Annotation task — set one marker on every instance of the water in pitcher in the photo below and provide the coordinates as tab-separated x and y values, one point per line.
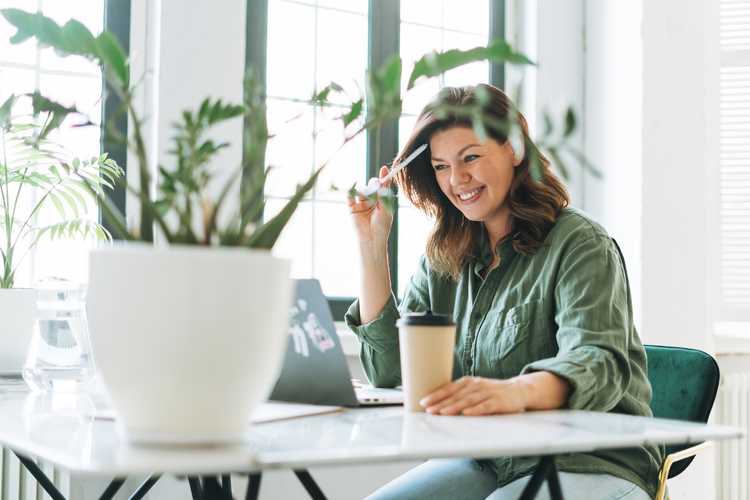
59	355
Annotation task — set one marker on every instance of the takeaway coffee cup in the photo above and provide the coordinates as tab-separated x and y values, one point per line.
426	342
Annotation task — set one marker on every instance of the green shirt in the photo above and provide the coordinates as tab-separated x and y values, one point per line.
566	309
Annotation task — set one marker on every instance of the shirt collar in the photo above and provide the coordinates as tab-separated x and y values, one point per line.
504	249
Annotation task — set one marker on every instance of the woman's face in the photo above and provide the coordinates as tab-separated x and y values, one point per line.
475	176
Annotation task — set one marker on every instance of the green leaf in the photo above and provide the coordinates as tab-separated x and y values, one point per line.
113	58
355	111
559	163
57	111
570	122
78	40
58	204
436	63
5	112
267	234
321	98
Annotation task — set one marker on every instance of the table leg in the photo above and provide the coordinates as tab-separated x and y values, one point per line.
253	486
226	485
195	488
112	489
553	483
310	485
212	490
545	470
144	487
47	485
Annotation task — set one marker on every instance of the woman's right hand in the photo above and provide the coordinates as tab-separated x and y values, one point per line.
372	221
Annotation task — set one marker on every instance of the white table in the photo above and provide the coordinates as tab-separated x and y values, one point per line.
63	430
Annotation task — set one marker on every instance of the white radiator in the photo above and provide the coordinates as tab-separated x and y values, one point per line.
733	408
16	483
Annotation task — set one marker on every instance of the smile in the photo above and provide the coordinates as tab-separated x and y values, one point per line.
470	196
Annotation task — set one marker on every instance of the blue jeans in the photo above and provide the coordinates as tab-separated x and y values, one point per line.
465	479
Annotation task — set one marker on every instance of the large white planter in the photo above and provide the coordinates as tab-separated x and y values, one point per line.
188	340
17	316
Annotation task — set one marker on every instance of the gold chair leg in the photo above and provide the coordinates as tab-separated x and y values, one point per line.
670	459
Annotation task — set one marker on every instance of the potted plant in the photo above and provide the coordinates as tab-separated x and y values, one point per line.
30	161
188	335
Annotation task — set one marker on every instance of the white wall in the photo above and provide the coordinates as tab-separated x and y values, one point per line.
612	120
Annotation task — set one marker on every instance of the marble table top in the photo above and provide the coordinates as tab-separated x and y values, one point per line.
64	430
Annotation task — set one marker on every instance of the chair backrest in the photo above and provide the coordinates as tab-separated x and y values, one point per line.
684	383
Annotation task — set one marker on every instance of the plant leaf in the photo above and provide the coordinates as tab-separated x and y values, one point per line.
5	111
570	122
355	111
321	98
266	235
436	63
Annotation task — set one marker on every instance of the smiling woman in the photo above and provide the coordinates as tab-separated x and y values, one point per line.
537	290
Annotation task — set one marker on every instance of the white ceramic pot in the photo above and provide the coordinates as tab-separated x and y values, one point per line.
17	316
188	340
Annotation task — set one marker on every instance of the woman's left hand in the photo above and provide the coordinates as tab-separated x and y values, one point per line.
477	396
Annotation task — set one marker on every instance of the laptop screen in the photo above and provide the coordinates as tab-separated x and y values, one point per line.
314	369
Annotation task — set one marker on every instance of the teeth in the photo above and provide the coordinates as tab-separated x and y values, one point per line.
466	196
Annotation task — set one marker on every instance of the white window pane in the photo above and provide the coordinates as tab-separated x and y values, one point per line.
88	12
335	250
291	50
296	238
80	91
50	61
422	11
413	231
359	6
290	150
468	15
347	166
417	41
24	53
343	63
17	81
405	126
471	74
63	258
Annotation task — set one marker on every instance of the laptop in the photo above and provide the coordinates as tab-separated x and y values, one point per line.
314	369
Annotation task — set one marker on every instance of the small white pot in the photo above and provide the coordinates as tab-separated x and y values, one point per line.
188	340
17	316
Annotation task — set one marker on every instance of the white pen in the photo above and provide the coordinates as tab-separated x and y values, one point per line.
374	183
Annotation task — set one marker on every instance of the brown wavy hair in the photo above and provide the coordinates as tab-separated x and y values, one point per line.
534	204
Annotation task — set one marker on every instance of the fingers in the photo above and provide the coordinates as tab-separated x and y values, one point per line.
457	406
443	392
474	396
383	172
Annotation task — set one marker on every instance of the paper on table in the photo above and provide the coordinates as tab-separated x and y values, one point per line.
269	411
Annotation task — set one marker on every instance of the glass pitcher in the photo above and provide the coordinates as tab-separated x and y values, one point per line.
59	356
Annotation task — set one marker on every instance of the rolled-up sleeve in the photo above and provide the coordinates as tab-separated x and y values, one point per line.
379	349
594	322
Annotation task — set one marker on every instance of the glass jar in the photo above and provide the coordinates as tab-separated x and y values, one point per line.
59	356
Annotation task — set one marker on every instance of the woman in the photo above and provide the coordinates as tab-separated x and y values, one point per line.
538	292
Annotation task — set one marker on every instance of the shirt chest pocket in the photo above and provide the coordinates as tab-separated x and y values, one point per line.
515	337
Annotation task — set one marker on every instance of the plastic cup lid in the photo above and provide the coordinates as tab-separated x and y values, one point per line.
426	318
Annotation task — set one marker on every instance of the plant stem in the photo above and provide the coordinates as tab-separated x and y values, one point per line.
6	281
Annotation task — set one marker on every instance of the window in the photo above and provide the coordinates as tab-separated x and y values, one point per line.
734	166
72	80
330	43
425	26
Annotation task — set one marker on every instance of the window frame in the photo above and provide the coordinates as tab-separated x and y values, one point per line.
384	29
117	22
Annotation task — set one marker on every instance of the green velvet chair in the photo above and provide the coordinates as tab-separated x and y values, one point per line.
684	383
